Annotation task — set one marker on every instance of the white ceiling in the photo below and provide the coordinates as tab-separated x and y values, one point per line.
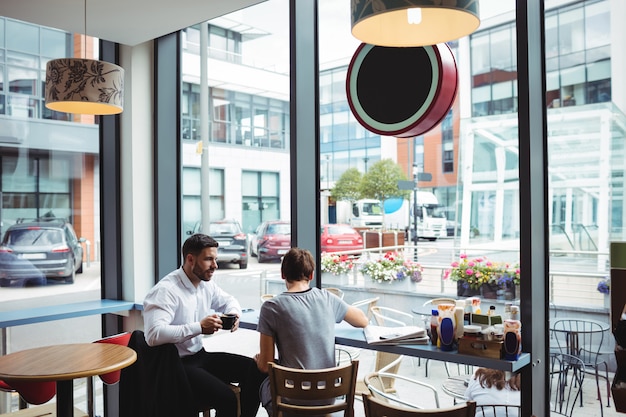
129	22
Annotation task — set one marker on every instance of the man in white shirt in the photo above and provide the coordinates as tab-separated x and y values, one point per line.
183	306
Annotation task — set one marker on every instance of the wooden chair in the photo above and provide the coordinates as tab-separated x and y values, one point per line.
378	408
498	410
333	388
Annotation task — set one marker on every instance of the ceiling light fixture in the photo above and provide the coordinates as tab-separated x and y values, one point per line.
84	86
413	22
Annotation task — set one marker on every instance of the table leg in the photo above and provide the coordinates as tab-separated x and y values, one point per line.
65	398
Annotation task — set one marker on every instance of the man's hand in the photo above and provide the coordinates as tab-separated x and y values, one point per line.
236	325
211	324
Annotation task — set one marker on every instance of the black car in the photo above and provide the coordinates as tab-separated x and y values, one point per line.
233	242
33	252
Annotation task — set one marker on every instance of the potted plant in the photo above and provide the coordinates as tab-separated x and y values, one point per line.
335	268
482	277
385	269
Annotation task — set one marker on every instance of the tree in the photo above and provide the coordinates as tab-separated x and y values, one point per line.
348	186
381	182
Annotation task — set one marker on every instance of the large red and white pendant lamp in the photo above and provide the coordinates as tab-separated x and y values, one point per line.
403	79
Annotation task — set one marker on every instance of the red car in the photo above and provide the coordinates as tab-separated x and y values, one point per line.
271	240
339	238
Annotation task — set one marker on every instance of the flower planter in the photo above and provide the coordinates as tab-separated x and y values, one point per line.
395	285
487	291
375	239
341	279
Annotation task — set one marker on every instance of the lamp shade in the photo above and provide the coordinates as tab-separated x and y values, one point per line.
413	22
85	86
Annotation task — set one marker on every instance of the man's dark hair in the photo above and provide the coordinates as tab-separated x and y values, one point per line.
298	265
196	243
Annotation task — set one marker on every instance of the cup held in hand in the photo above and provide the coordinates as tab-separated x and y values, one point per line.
228	321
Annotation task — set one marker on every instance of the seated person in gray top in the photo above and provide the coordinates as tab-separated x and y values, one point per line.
301	322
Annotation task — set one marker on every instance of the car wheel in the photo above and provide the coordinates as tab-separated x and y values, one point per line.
252	252
243	265
261	258
70	278
5	282
80	268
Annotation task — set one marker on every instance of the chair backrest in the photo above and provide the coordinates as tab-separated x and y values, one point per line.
493	410
377	408
266	297
366	305
390	317
567	374
304	387
118	339
336	291
442	300
415	393
579	337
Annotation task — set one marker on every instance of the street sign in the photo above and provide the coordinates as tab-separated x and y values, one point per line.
424	176
405	185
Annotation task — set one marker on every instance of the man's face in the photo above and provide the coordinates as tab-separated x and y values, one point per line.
205	264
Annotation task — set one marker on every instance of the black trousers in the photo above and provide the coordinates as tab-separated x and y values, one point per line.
209	374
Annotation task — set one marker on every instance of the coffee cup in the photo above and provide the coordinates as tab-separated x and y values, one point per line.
228	321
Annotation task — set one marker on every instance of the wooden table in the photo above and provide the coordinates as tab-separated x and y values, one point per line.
64	363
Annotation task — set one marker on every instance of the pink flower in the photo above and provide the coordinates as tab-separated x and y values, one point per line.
471	263
462	256
454	265
446	274
489	264
469	271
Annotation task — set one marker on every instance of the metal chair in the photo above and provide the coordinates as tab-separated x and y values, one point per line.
390	317
385	362
375	407
583	339
313	391
567	374
336	291
378	382
367	305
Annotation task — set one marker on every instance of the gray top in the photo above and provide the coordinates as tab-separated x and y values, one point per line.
303	327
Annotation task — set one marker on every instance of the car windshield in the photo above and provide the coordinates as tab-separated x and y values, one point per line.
372	208
279	229
34	237
223	229
340	230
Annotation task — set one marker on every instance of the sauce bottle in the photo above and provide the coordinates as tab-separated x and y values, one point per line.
434	324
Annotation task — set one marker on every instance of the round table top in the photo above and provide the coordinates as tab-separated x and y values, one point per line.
455	386
65	361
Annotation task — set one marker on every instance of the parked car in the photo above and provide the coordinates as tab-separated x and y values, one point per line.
271	240
33	252
233	242
340	237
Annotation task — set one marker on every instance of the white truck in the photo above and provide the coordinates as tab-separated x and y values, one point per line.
361	213
431	217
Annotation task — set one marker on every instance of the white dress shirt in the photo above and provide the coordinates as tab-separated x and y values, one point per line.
173	308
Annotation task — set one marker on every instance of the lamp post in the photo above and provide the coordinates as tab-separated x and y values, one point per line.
415	172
